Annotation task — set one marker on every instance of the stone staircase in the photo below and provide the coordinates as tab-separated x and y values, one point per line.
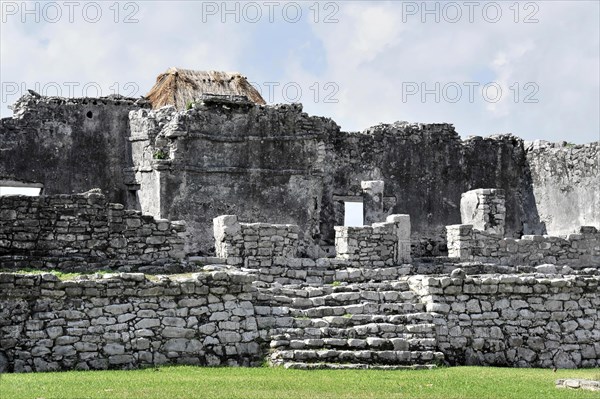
358	325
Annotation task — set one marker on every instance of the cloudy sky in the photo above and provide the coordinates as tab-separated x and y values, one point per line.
527	68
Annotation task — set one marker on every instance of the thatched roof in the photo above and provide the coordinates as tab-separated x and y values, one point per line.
178	87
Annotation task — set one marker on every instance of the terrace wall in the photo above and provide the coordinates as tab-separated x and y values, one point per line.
84	232
576	250
516	321
126	321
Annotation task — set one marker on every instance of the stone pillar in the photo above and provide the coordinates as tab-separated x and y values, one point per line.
484	209
402	227
228	239
372	201
460	240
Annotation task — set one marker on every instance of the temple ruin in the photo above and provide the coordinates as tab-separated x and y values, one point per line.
209	230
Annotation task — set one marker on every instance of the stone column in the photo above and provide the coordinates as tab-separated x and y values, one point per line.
484	209
402	227
460	241
228	239
372	201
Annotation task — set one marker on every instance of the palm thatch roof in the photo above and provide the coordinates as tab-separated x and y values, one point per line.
179	87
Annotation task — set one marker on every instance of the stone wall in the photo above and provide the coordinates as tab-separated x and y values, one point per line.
222	318
484	209
426	168
69	145
520	321
278	164
254	245
565	180
83	233
230	157
380	244
126	321
576	250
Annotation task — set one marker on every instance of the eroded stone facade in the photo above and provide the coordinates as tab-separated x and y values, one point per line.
297	289
84	232
280	165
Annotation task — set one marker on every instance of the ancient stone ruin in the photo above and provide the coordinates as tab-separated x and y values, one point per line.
212	233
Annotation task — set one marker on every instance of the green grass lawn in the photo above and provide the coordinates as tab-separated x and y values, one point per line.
264	383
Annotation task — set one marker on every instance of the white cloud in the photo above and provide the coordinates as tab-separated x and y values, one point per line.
369	54
110	55
559	56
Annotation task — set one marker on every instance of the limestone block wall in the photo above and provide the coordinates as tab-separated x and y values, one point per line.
508	320
577	250
70	145
254	245
229	157
564	180
484	209
83	232
386	243
126	321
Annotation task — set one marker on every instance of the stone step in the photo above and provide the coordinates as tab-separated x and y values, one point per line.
360	319
345	321
357	309
341	298
207	260
377	330
384	357
329	274
309	291
354	366
398	344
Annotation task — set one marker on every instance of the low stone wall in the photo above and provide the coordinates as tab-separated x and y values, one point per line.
226	317
83	232
518	321
380	244
254	245
576	250
126	321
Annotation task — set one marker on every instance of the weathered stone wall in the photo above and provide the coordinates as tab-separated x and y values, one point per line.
254	245
69	145
127	321
386	243
484	209
426	168
576	250
277	164
83	233
517	321
221	318
373	206
566	185
225	157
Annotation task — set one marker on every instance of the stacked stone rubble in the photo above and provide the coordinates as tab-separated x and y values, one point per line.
484	209
254	245
126	321
579	250
512	320
380	244
83	232
480	237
